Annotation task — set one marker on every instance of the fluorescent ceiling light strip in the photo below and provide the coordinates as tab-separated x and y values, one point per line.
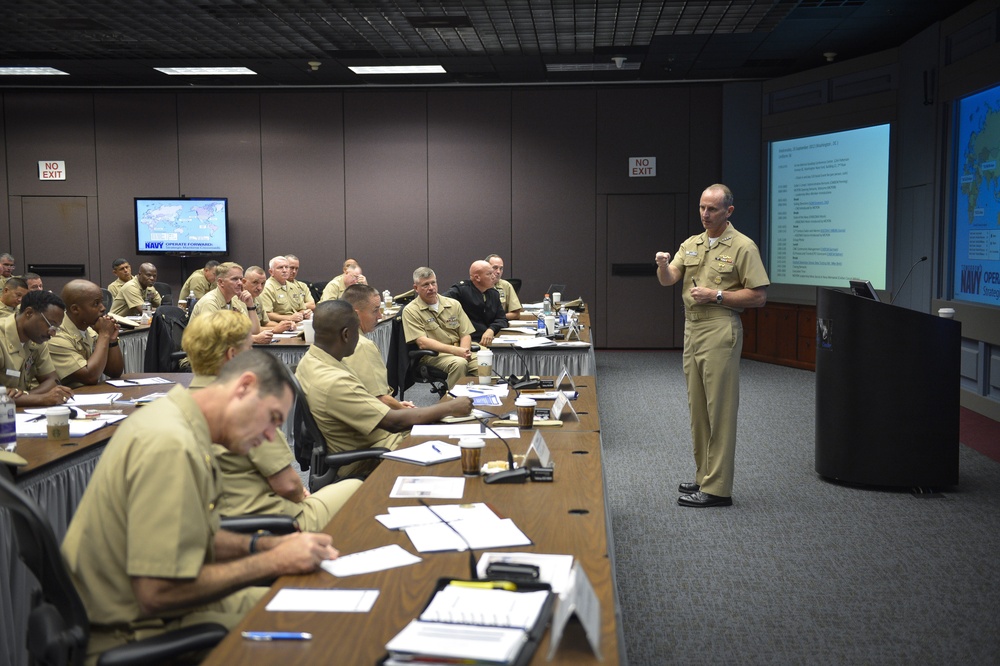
399	69
31	71
590	67
205	71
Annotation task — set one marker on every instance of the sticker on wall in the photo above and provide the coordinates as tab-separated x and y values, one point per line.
641	167
52	170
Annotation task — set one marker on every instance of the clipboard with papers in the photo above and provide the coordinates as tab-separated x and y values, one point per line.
487	622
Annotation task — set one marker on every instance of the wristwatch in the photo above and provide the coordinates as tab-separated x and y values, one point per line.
718	297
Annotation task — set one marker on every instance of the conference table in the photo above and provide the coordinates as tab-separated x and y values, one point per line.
55	477
576	357
566	516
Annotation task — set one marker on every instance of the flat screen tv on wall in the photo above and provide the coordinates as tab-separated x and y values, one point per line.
182	226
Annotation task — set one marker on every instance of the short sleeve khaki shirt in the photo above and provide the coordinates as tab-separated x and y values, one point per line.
70	350
23	364
448	325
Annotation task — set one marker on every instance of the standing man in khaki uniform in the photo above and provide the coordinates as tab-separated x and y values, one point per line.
137	291
306	301
722	274
10	296
29	375
366	361
144	549
335	288
123	272
347	414
200	282
278	298
508	297
438	323
86	346
263	481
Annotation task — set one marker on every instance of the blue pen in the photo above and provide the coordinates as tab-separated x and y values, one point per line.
277	636
435	447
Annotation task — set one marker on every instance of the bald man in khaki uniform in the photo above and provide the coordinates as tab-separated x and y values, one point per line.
438	323
722	274
86	346
136	292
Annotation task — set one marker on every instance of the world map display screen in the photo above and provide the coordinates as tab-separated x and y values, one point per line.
182	226
976	207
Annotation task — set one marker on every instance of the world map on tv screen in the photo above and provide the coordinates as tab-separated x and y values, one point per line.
182	226
976	213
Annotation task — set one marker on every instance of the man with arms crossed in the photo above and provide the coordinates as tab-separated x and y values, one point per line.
438	323
508	297
86	345
263	481
144	548
135	292
347	414
721	274
306	300
366	361
277	296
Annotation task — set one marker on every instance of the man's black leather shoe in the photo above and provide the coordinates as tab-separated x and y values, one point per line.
700	499
688	488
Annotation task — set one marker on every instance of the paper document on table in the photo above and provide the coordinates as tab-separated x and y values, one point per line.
369	561
505	433
81	399
480	534
407	516
534	343
441	487
29	425
323	601
427	453
459	430
468	643
141	381
473	390
488	607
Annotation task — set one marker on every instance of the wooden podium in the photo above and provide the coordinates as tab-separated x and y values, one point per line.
887	393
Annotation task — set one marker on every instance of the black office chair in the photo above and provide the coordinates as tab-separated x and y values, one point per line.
165	292
107	299
316	289
516	283
58	628
405	368
310	447
163	344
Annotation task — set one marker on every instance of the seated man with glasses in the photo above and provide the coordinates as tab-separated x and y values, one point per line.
30	376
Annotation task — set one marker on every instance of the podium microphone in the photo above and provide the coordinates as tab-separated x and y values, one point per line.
509	475
517	383
473	574
893	299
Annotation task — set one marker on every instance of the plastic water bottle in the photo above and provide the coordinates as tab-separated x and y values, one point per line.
8	423
147	313
547	305
541	328
191	300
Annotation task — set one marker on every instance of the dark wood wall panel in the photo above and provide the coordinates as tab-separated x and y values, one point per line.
136	147
302	167
219	155
468	186
385	141
4	210
553	197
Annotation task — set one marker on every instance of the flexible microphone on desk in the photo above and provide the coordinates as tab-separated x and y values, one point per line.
893	299
509	475
473	574
518	383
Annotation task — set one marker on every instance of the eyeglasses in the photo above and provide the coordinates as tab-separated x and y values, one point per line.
53	329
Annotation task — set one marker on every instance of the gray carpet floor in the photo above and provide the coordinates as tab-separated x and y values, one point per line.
799	570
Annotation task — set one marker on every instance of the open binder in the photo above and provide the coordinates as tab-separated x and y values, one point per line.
469	622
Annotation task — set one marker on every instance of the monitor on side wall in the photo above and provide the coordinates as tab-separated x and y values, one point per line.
182	226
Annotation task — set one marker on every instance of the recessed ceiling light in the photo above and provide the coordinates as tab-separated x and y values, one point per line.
205	71
31	71
591	67
399	69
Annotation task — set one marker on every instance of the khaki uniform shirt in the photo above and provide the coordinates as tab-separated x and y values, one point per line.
116	286
346	413
214	301
279	298
131	297
303	288
149	509
508	297
198	283
245	489
334	289
367	365
734	263
448	325
7	311
70	350
22	364
261	312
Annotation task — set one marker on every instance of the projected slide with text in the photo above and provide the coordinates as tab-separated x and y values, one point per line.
828	208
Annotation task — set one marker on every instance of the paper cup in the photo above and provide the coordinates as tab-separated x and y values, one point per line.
472	455
57	421
525	412
485	359
307	331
